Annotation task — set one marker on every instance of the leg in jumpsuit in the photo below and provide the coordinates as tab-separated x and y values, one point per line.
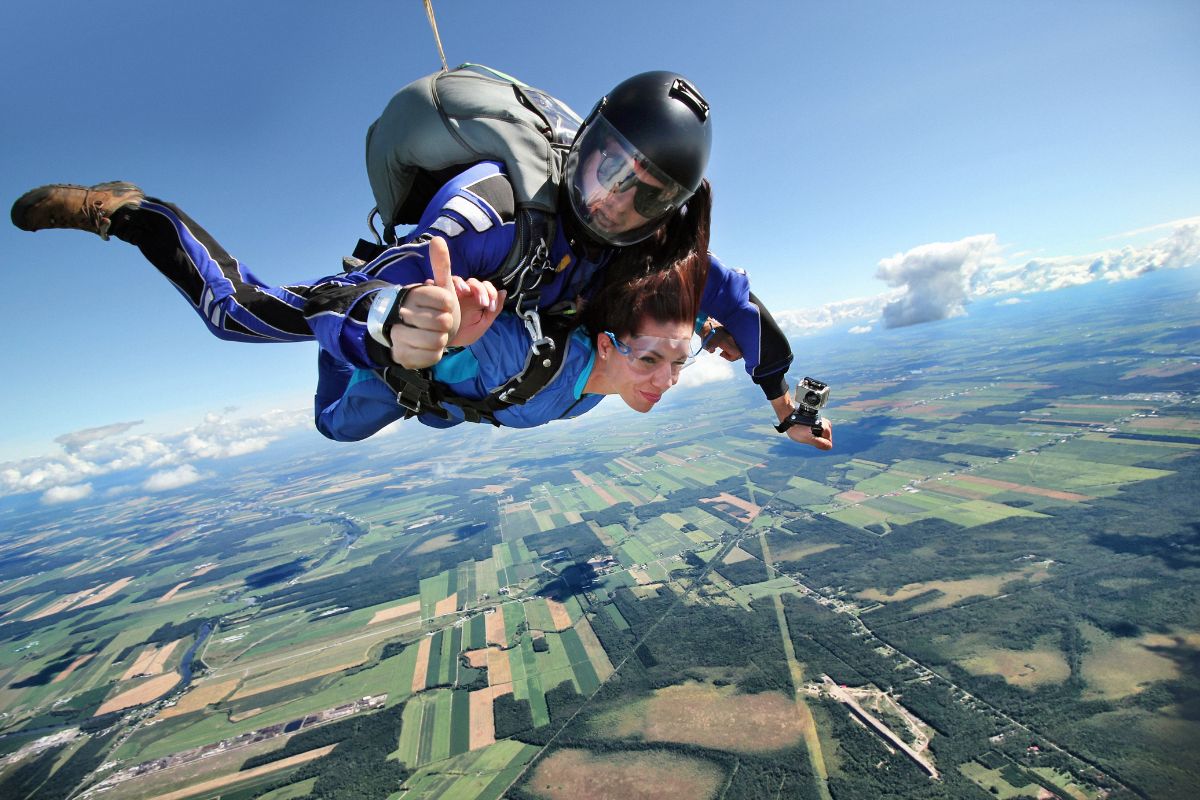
234	304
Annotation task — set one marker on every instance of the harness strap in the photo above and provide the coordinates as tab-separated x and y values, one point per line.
418	393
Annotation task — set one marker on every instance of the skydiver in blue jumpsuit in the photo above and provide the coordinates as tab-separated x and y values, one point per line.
629	175
632	339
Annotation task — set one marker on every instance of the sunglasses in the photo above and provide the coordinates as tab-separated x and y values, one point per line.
616	174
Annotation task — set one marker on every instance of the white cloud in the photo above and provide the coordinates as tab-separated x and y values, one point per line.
936	278
109	449
708	368
860	329
1010	301
811	320
1162	226
66	494
78	439
1180	249
172	479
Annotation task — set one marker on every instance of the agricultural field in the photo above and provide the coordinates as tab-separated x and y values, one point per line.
998	560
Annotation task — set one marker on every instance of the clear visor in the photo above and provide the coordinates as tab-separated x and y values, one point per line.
648	354
616	191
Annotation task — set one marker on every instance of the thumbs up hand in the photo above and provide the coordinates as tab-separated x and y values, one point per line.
444	311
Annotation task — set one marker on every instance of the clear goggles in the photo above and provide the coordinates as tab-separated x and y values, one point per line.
648	354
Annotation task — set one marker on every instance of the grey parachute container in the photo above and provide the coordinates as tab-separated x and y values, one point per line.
438	125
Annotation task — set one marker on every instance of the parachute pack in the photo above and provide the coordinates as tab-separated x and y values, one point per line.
438	125
434	128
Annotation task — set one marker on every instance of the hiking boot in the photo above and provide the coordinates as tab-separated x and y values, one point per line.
65	205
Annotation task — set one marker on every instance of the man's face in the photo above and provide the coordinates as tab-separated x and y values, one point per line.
612	182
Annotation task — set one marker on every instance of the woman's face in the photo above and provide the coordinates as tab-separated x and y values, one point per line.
643	366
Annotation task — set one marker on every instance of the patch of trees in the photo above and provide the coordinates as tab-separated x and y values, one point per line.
19	629
617	643
868	771
576	537
391	649
686	636
511	716
826	642
612	515
358	768
743	573
562	701
390	576
471	678
275	574
32	780
572	579
305	740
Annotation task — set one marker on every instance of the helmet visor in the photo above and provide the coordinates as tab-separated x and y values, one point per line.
618	194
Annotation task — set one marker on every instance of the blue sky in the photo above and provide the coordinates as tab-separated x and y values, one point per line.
860	148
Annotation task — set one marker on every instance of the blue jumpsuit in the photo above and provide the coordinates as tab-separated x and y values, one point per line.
473	213
353	403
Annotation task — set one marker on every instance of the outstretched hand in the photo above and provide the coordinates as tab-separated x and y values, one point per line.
444	311
803	435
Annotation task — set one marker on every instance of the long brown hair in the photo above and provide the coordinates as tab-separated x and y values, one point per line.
661	278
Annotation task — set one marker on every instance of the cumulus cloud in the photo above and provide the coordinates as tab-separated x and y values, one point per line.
811	320
936	278
172	479
74	441
708	368
1179	249
66	494
110	449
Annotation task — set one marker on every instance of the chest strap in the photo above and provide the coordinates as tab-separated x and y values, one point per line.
419	393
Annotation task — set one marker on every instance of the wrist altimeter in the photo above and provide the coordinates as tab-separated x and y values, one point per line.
811	396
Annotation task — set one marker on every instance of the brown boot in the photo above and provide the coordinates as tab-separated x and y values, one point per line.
65	205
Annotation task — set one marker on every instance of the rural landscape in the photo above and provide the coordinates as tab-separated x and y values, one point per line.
989	588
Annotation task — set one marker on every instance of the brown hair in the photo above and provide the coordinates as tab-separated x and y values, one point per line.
661	278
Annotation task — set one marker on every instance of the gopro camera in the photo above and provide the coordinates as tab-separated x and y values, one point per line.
811	396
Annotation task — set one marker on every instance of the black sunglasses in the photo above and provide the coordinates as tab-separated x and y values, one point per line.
615	172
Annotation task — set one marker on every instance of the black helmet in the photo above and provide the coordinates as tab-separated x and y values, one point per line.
651	134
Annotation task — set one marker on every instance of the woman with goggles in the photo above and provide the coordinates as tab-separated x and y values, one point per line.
633	339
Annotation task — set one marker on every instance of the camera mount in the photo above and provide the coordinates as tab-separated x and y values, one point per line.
811	395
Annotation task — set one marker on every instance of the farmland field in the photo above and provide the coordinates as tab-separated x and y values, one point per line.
999	555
